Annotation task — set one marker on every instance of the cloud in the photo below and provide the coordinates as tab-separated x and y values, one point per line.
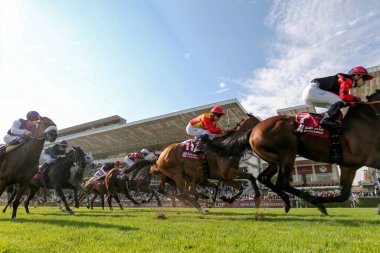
222	88
313	39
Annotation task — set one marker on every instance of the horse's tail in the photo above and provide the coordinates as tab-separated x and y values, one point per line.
231	146
109	175
154	170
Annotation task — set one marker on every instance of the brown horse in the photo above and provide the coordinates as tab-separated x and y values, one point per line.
186	173
98	188
136	178
277	141
21	164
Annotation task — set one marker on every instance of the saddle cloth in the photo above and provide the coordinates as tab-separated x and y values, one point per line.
308	123
188	150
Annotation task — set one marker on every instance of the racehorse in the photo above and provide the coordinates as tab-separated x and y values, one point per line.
98	188
62	174
21	164
277	141
226	169
136	178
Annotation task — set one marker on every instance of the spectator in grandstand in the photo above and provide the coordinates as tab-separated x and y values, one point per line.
22	129
333	92
134	157
50	154
205	126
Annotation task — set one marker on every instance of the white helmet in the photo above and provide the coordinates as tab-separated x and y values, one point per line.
144	151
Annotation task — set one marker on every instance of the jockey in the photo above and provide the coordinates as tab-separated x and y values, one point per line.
135	157
334	92
22	129
51	154
205	125
102	172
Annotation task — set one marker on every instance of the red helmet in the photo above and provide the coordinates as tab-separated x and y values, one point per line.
359	70
117	162
217	110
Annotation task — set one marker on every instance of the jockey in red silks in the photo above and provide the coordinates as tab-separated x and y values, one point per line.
135	157
333	92
205	125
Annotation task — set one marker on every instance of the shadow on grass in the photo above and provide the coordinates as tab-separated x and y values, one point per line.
302	218
71	223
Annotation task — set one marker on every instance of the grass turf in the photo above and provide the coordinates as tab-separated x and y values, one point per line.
47	229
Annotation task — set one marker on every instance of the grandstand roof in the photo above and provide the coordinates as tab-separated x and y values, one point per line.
114	137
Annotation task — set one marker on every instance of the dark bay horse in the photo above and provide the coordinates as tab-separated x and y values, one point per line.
21	164
137	178
98	188
64	173
186	173
276	141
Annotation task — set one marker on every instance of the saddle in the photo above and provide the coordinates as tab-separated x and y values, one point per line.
309	124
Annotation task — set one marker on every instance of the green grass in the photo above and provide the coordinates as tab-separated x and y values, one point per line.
185	230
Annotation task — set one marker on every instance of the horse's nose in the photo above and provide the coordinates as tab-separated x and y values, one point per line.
52	135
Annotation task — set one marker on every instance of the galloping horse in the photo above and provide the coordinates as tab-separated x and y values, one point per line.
277	141
136	178
62	174
226	169
21	164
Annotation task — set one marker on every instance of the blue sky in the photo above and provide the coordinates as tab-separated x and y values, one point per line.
78	61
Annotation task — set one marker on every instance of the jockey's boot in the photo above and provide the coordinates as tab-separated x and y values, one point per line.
330	118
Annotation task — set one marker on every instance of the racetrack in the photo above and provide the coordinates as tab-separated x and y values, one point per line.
185	230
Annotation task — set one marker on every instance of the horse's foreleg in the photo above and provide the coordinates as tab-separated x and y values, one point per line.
235	185
116	197
76	198
184	195
93	200
32	193
21	189
59	191
109	201
156	197
10	199
283	180
265	178
346	178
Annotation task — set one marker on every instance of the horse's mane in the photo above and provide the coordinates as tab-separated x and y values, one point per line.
138	166
229	144
373	96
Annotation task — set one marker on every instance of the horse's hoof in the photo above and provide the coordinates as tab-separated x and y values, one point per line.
287	208
323	210
205	212
70	212
4	210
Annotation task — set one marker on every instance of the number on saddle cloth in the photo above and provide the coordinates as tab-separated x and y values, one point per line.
308	123
188	149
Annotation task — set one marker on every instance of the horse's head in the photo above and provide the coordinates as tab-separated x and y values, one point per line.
89	158
374	97
247	124
46	129
79	157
